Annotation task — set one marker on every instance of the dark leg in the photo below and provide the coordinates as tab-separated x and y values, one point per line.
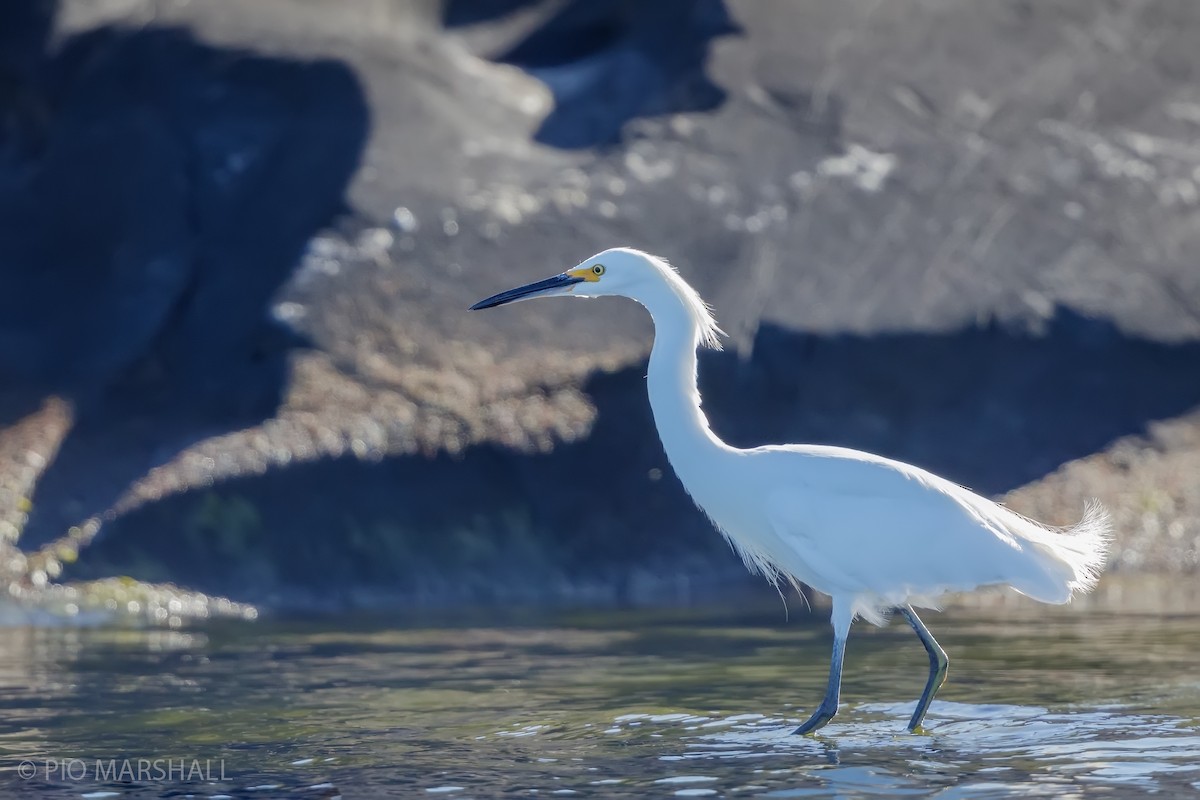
938	664
829	706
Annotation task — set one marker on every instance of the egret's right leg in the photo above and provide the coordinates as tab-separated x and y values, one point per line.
842	617
939	663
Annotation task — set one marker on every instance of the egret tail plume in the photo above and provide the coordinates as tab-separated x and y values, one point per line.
1089	543
1073	556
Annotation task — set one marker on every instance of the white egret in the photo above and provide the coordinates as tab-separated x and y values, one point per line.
872	533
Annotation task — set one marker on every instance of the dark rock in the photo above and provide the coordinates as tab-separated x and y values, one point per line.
24	112
143	245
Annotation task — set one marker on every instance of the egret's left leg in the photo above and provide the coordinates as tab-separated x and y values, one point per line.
842	617
939	663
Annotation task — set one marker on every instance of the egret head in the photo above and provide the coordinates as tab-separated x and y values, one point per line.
614	272
624	272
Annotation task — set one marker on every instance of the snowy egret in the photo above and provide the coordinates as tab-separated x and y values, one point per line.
874	534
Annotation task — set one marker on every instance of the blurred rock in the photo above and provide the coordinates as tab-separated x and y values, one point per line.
964	237
144	242
607	62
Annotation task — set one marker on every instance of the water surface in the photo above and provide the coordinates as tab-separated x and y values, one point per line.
698	705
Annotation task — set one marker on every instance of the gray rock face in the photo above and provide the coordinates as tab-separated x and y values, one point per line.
608	62
240	239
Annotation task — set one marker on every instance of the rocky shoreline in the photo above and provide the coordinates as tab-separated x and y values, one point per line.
238	360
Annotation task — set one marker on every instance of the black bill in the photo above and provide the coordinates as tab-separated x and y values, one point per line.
527	291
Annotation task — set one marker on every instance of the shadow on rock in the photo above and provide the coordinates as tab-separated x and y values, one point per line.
24	30
176	189
603	520
610	61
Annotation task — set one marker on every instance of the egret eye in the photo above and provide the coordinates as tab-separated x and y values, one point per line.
598	270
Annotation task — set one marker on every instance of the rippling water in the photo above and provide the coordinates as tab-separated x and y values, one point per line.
1057	703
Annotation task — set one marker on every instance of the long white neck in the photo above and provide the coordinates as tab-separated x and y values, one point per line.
671	382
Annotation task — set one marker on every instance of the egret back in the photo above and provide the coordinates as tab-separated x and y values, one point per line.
888	533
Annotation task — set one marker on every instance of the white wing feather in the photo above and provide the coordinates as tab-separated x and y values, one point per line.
890	533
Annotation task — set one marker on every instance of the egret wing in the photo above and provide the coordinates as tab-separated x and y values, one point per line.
870	526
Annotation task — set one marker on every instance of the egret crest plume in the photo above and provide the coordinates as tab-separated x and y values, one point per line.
701	313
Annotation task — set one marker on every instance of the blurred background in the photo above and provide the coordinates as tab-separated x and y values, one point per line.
238	381
238	239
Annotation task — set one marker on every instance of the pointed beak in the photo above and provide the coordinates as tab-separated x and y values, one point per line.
559	284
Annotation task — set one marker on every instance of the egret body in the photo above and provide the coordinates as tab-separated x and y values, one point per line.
874	534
